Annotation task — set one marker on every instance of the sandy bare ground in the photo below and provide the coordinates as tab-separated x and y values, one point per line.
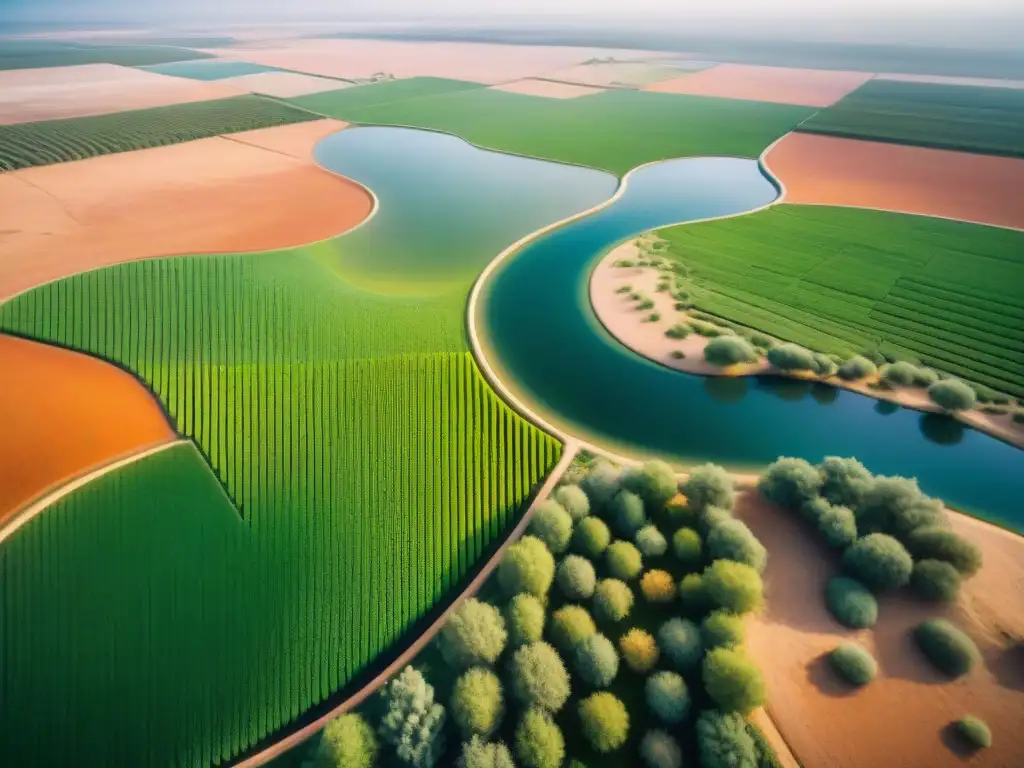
626	74
901	718
27	95
985	82
867	174
547	89
782	85
283	84
254	191
477	62
63	414
618	313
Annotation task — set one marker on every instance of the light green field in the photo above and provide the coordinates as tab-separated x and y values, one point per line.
840	280
613	131
341	102
208	69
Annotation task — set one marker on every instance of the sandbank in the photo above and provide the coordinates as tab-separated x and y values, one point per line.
65	413
28	95
547	88
829	170
256	190
781	85
284	85
902	717
618	313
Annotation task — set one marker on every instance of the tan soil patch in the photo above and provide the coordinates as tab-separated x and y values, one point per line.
622	74
65	413
547	89
284	85
477	62
900	718
867	174
782	85
214	195
943	80
28	95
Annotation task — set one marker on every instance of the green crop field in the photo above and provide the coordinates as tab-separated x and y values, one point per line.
59	141
972	118
370	465
33	54
841	281
614	131
208	69
341	102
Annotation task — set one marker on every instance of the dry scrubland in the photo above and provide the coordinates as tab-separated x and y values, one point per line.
255	190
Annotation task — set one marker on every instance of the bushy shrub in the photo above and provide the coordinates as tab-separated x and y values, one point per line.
591	537
573	500
879	562
667	697
613	600
679	512
527	566
733	540
627	513
936	580
654	482
721	629
552	525
736	587
945	646
691	594
650	541
733	681
824	366
900	374
347	742
790	483
711	519
597	661
623	560
935	543
570	625
974	731
659	750
601	483
478	702
658	586
576	577
639	650
952	395
477	753
792	357
925	377
853	663
844	481
678	331
857	367
524	619
604	721
838	526
708	486
688	548
474	634
723	741
895	505
728	350
852	604
681	644
539	742
813	509
538	677
413	722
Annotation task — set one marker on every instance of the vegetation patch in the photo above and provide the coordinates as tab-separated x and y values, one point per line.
853	663
947	647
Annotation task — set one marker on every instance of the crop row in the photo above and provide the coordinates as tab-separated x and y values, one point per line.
995	308
989	339
981	321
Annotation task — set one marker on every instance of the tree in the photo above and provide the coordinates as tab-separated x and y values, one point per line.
879	562
667	697
597	661
658	587
552	525
692	595
857	367
899	374
681	644
627	511
733	540
570	625
613	600
896	506
936	580
525	619
729	350
933	542
852	604
688	548
654	482
623	560
838	526
576	577
539	678
347	742
824	366
527	567
639	650
736	587
474	634
573	500
974	731
604	721
947	647
708	486
650	541
733	681
952	395
478	702
539	742
477	753
721	629
659	750
601	483
591	537
723	741
413	722
790	483
844	481
792	357
853	663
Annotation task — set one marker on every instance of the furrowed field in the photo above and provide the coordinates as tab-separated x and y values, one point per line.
843	281
33	54
976	119
614	131
57	141
345	101
370	467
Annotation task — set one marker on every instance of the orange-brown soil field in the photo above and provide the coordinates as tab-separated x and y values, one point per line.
902	717
27	95
256	190
65	413
868	174
804	87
